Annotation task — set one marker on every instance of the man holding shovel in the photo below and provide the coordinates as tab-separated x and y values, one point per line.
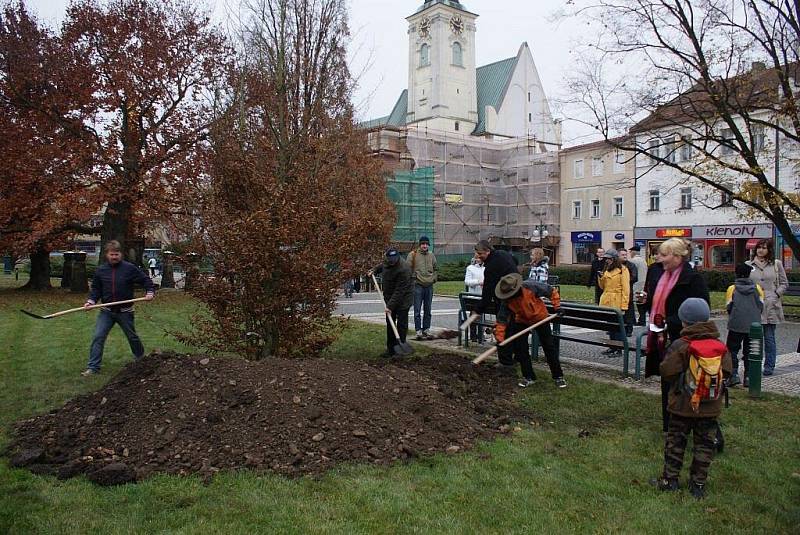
113	281
522	306
398	296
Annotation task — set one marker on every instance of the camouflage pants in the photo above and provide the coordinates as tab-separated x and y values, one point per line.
704	431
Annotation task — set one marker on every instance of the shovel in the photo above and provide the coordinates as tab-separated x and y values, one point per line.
71	310
486	354
402	348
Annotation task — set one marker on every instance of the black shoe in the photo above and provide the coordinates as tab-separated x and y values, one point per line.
767	373
697	490
665	484
746	382
561	383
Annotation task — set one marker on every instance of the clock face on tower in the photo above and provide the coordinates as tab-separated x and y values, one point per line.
425	27
456	24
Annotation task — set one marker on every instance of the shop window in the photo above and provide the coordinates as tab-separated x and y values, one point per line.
686	198
618	206
722	255
597	166
458	55
584	252
424	55
577	169
655	200
595	208
576	209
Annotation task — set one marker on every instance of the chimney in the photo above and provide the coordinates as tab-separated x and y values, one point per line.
758	66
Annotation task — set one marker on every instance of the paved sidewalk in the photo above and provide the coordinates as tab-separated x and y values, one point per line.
580	359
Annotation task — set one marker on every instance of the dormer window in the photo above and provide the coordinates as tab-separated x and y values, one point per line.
424	55
458	55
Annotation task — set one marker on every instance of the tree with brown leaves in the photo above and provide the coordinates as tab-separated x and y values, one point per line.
295	205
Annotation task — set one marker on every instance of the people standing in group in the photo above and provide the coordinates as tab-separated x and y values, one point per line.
398	296
596	269
771	276
522	306
497	264
114	281
540	269
424	269
473	280
641	275
695	403
670	282
630	314
615	281
744	301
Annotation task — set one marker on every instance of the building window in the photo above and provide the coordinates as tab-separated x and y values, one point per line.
424	55
655	200
670	149
686	198
597	166
458	55
577	169
529	96
759	138
576	209
530	117
595	208
687	150
653	150
618	207
619	163
726	146
725	199
457	125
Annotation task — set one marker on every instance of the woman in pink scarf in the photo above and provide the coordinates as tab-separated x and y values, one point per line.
671	280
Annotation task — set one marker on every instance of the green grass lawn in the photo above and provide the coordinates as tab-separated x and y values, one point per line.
569	292
544	478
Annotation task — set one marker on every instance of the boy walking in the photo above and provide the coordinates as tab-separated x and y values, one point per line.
696	365
522	306
744	301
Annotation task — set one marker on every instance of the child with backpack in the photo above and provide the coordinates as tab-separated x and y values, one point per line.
744	301
697	365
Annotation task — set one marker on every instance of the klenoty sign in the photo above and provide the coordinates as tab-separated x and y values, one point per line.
733	231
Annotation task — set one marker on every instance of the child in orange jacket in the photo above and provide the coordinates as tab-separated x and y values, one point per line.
522	306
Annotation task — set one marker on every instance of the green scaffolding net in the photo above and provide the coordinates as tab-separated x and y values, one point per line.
412	195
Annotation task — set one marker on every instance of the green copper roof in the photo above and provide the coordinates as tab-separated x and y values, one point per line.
492	82
398	115
452	3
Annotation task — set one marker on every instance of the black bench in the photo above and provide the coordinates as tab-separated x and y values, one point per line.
468	302
596	318
792	291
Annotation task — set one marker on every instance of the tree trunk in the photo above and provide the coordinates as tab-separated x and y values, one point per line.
40	270
115	226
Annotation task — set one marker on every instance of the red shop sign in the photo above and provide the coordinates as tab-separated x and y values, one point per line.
673	233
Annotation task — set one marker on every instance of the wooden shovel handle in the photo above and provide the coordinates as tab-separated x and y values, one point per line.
472	317
486	354
388	315
100	305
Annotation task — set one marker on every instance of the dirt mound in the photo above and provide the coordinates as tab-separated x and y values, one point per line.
182	414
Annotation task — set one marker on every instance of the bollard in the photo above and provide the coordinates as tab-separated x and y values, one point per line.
755	359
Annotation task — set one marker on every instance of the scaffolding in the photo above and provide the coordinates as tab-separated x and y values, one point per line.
411	192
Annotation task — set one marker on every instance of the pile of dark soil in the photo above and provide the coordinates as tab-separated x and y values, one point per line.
183	414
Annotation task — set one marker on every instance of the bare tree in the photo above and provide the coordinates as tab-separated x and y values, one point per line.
709	88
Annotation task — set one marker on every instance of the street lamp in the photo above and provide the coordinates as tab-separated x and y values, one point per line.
539	232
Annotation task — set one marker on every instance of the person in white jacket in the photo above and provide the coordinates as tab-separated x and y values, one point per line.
473	279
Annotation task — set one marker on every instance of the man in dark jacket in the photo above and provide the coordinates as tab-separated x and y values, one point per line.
630	314
398	294
497	264
114	281
598	265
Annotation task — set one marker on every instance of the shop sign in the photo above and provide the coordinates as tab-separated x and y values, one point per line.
453	198
619	236
673	233
734	231
586	237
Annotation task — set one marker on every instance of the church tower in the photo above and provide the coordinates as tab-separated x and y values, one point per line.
442	91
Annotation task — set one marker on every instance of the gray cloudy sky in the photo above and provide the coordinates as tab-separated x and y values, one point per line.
380	45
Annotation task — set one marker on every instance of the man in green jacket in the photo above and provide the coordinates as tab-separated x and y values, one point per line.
423	268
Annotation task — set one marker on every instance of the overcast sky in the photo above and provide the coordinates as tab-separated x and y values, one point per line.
379	54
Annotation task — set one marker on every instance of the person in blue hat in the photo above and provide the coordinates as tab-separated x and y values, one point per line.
398	295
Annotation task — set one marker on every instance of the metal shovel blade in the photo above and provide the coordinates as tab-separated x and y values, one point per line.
402	349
